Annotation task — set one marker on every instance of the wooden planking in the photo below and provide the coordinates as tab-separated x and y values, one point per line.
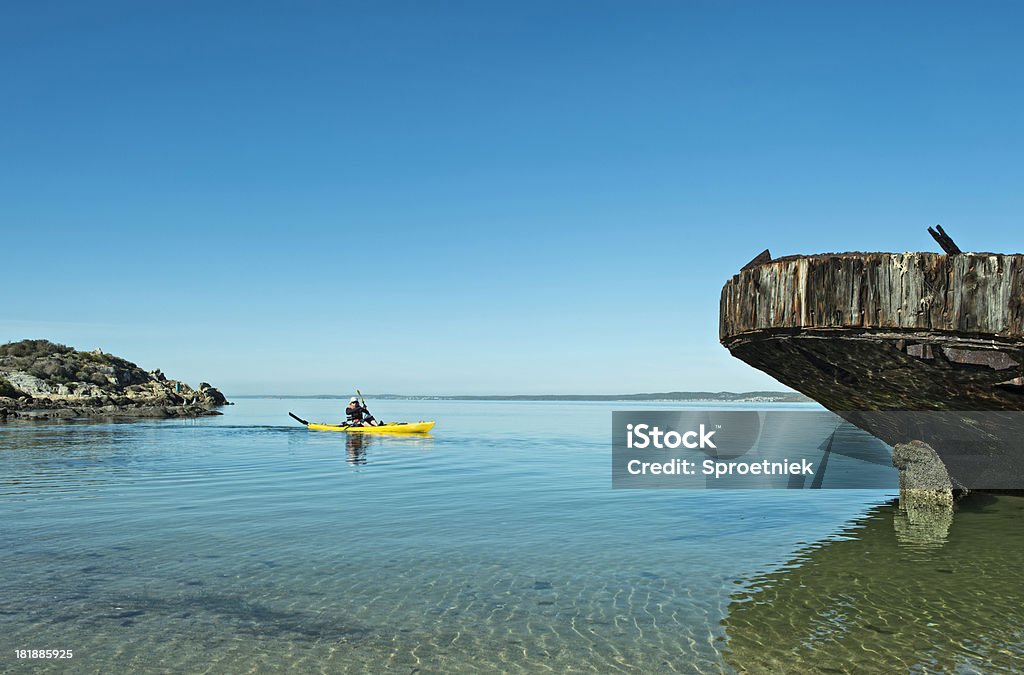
973	293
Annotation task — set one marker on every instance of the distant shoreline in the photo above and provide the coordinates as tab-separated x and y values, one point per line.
685	396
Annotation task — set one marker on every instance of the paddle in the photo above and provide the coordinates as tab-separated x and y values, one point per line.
363	401
302	421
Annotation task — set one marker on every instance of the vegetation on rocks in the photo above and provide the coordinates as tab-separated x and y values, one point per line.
9	390
41	378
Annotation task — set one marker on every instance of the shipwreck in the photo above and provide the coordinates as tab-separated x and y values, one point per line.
923	350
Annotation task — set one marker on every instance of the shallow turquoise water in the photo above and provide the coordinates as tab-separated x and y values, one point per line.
246	542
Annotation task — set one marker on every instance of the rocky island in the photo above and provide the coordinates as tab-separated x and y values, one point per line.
43	380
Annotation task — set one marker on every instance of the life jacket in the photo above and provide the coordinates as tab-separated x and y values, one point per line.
354	411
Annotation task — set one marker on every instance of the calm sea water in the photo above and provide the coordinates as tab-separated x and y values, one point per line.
246	543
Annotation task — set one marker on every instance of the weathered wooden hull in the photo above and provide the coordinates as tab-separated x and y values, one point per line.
900	333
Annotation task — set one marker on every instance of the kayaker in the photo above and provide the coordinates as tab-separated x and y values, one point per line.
354	413
357	415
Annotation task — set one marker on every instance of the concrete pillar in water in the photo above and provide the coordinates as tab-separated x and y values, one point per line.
924	482
926	494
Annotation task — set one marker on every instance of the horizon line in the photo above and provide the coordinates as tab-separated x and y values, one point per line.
759	392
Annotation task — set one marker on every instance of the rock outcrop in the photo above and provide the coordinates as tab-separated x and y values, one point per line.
40	379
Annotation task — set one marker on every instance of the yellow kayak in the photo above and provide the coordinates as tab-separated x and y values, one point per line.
389	428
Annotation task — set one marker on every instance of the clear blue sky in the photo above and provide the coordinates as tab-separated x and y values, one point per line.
477	197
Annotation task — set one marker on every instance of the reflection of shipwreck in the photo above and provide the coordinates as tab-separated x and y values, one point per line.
884	338
869	602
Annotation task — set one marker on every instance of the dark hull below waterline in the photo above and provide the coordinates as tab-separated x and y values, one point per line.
915	346
980	450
